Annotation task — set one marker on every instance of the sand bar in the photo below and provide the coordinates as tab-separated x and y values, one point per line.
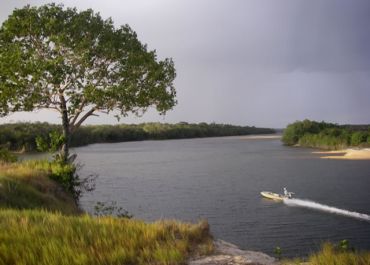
348	154
257	137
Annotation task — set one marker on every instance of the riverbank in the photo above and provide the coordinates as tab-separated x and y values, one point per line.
346	154
72	237
228	254
40	223
24	139
260	137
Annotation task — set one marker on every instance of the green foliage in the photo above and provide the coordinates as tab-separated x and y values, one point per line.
358	138
22	135
6	156
344	246
52	144
43	238
298	129
278	252
65	59
324	135
290	136
65	175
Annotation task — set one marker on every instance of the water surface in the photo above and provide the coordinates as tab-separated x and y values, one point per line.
220	179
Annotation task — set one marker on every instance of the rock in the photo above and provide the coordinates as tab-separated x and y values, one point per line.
229	254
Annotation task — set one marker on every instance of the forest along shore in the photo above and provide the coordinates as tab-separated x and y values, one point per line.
26	133
327	136
347	154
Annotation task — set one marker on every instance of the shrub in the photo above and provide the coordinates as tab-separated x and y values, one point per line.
6	156
66	175
358	137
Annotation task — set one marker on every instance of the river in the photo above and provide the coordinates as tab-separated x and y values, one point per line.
220	179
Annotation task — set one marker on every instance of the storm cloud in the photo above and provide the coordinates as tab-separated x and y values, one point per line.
260	62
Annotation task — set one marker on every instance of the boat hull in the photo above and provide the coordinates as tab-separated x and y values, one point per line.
272	196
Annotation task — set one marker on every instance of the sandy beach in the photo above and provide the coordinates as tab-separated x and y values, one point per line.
348	154
257	137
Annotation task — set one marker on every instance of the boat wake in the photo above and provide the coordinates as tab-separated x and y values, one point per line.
325	208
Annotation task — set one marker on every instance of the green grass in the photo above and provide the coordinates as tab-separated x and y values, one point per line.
330	255
40	237
333	255
26	185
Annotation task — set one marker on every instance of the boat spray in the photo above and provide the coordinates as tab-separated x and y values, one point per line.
325	208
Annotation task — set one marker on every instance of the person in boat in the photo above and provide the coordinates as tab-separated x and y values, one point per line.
287	194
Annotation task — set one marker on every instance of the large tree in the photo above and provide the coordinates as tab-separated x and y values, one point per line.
74	62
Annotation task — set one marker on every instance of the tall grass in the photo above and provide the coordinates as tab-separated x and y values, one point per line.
40	237
331	255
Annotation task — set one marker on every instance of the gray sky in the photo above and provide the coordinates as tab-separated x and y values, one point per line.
248	62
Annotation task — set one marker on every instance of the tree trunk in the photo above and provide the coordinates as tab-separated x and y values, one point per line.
64	153
66	134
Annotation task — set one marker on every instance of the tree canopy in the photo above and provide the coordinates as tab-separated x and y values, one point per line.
78	64
326	135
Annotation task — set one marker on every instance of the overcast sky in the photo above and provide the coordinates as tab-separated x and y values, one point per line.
248	62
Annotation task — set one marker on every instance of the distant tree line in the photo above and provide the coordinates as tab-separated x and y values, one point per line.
326	135
22	136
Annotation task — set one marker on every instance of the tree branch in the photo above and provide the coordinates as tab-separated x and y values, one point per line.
66	83
83	118
78	112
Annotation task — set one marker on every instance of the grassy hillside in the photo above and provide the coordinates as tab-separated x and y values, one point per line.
44	238
28	185
40	223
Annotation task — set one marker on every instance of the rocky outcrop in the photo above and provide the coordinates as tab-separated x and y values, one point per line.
229	254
